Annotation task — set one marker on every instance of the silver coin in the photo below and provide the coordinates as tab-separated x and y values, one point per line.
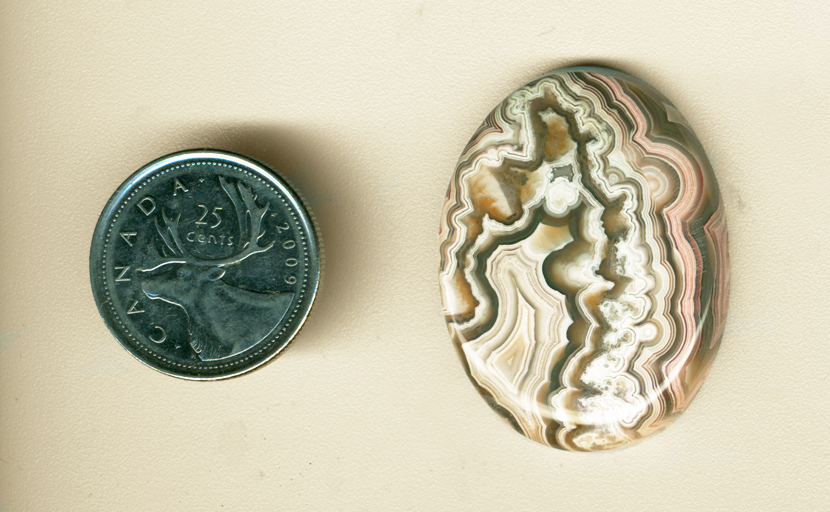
205	264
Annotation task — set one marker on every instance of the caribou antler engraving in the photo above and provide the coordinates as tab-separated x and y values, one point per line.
249	216
223	319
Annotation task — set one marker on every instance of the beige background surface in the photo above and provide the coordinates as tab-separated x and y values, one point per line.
366	106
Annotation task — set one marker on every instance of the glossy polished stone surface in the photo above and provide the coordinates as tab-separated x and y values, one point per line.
584	265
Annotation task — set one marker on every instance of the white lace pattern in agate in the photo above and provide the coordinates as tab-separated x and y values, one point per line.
584	269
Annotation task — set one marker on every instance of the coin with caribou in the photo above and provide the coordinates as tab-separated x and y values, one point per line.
205	264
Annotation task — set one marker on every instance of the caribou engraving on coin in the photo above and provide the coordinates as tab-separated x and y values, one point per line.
205	264
197	286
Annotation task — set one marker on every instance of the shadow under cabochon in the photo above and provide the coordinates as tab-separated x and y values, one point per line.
584	264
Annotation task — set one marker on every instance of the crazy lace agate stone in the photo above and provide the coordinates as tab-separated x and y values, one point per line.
584	264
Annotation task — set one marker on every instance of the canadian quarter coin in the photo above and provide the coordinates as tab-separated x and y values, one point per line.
205	264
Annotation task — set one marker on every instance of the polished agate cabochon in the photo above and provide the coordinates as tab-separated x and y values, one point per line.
584	267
